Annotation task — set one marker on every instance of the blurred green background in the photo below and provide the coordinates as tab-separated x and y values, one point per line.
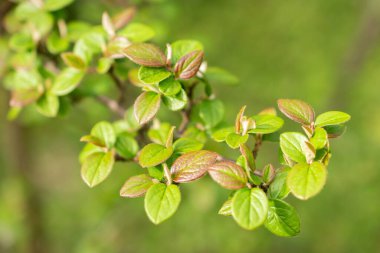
326	52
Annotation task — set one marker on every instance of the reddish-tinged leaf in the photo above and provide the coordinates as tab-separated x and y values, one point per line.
136	186
20	98
239	118
228	174
297	110
192	166
93	140
122	18
146	106
146	55
188	65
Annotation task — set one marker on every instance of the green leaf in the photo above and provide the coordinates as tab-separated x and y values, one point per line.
161	202
228	174
149	75
93	140
126	146
90	44
192	165
226	208
182	47
279	189
104	131
220	135
248	156
169	86
217	75
185	145
211	112
48	105
296	110
335	131
154	154
97	167
250	207
307	180
137	32
130	120
136	186
56	44
53	5
67	81
159	133
156	172
73	60
176	102
88	150
188	66
332	118
234	140
294	146
146	106
266	124
282	219
21	42
319	139
22	97
268	174
146	55
104	65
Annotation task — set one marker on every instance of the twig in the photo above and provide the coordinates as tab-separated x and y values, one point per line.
185	113
258	143
120	85
111	104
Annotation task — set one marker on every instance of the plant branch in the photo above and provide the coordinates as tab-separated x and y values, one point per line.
186	113
111	104
258	143
120	85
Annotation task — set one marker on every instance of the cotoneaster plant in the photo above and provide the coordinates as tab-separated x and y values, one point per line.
50	58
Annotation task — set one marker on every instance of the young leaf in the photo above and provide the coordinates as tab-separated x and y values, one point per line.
192	165
137	32
319	138
169	86
250	207
228	174
136	186
186	145
266	124
126	146
282	219
307	180
48	105
226	208
293	145
268	174
54	5
182	47
335	131
97	167
104	131
221	134
176	102
239	118
93	140
188	66
161	202
146	55
146	106
66	81
211	112
332	118
154	154
296	110
279	189
73	60
156	172
159	133
149	75
247	154
234	140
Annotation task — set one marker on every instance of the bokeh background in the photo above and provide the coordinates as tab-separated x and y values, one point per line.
326	52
